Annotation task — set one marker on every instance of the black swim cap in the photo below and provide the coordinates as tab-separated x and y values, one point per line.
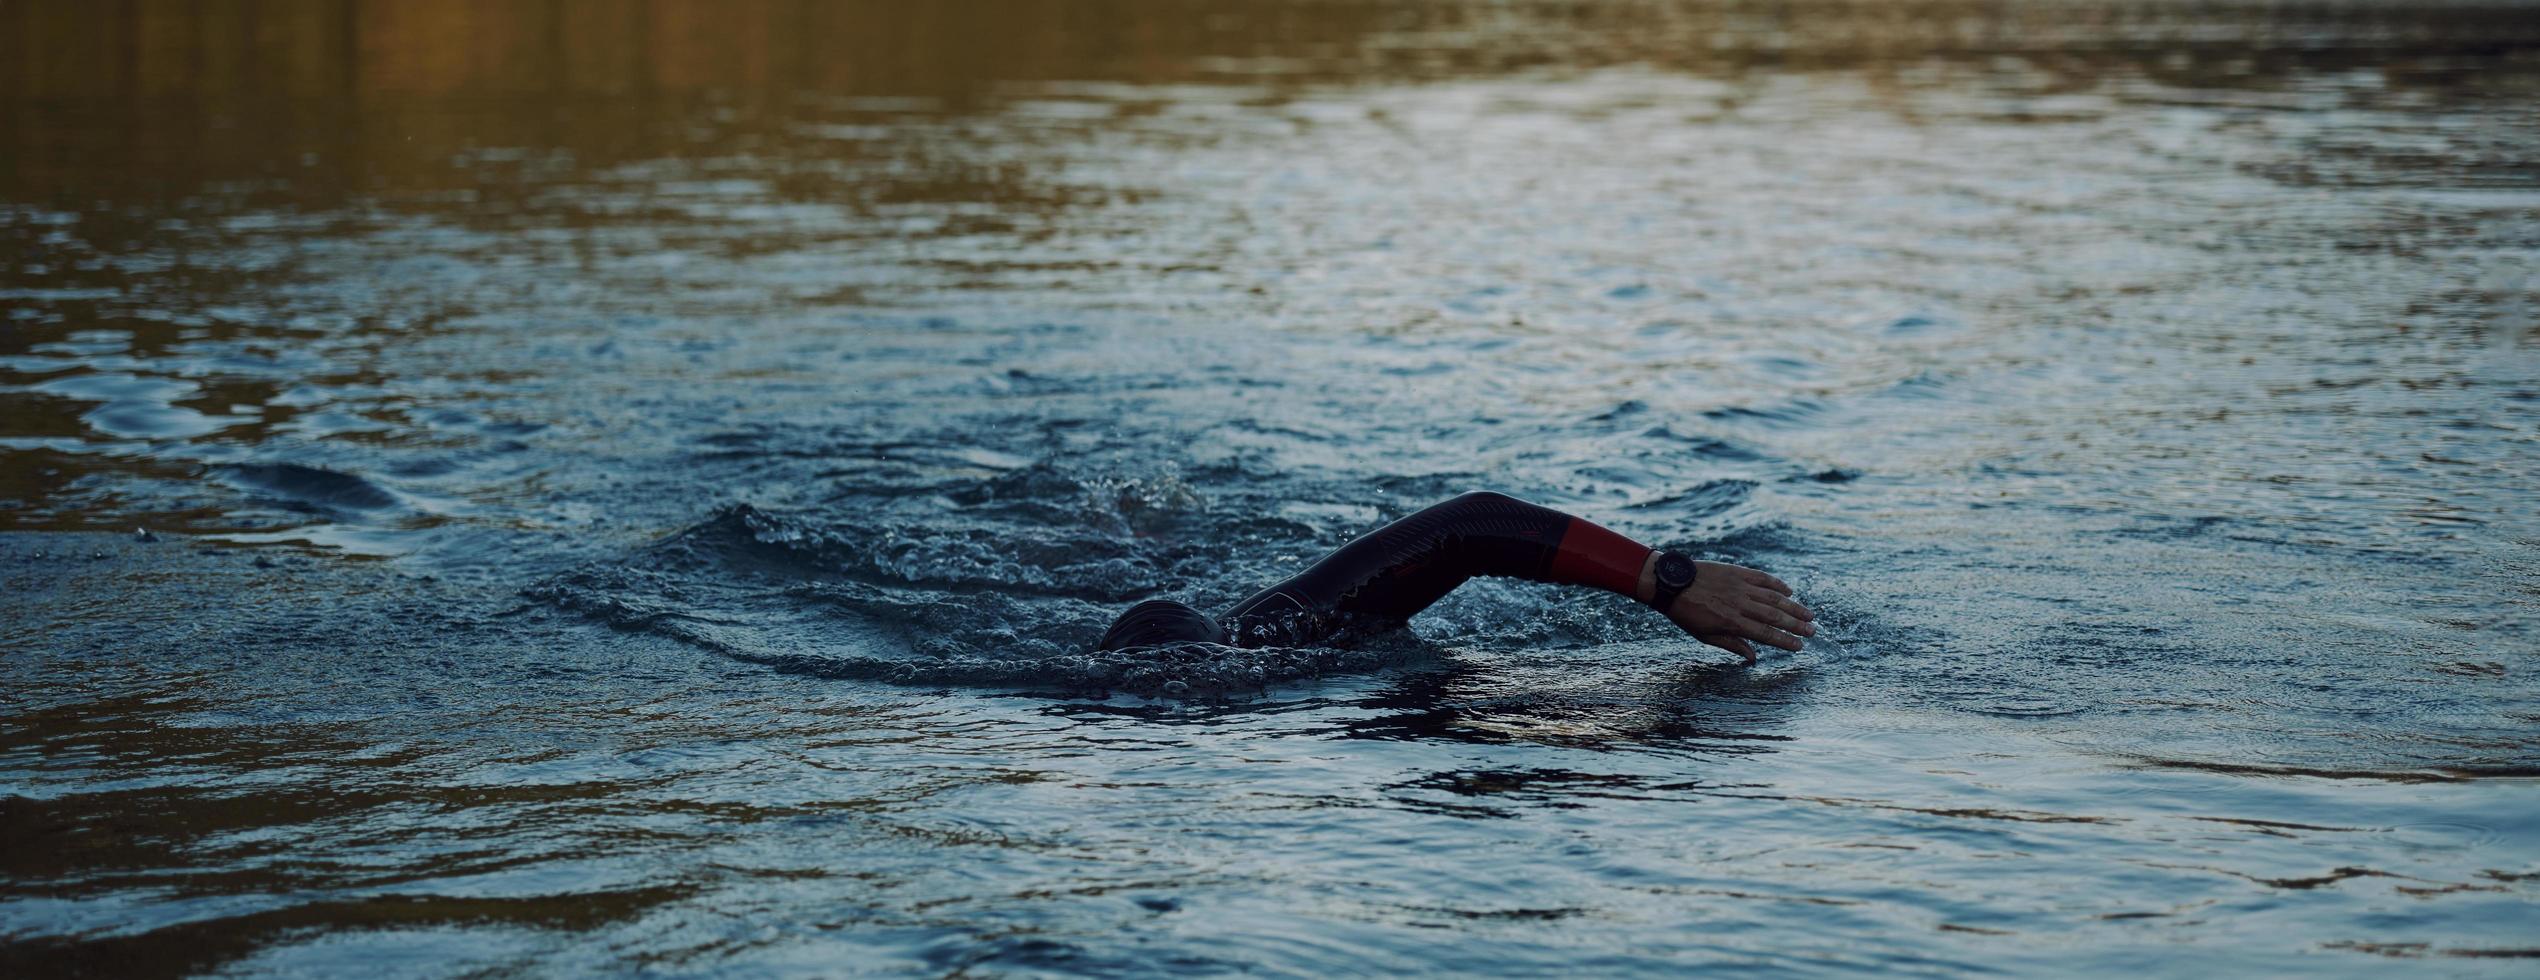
1160	621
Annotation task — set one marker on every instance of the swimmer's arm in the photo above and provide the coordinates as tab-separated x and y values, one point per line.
1728	606
1399	569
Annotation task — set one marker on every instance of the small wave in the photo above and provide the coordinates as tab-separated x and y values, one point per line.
1923	323
1627	409
1795	412
1196	670
847	631
311	487
1048	493
2430	774
1706	447
1057	560
1705	500
1921	385
1009	586
2023	707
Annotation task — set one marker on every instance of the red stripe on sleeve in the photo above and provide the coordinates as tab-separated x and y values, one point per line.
1591	555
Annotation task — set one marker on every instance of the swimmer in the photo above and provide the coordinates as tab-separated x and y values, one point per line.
1402	567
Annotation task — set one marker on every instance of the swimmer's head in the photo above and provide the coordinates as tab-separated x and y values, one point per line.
1157	622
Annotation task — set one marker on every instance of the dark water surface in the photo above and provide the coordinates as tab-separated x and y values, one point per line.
630	487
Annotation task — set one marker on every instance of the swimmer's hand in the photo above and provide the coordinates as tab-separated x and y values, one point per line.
1729	605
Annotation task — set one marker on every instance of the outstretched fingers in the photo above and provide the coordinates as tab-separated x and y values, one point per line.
1763	580
1773	615
1771	637
1769	627
1780	604
1729	643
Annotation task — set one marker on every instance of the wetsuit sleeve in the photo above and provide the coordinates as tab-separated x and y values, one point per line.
1399	569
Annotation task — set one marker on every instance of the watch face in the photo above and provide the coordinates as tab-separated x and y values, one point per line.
1675	571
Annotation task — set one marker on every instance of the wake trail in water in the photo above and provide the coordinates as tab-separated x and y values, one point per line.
1008	580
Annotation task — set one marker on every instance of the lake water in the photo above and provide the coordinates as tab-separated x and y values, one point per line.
560	488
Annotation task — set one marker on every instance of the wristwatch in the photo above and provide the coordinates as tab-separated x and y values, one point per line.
1675	575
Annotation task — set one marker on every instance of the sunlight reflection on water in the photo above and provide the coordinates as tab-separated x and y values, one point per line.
632	487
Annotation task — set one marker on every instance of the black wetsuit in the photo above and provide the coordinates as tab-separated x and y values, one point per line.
1399	569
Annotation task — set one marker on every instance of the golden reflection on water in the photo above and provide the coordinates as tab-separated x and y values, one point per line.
160	96
129	113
